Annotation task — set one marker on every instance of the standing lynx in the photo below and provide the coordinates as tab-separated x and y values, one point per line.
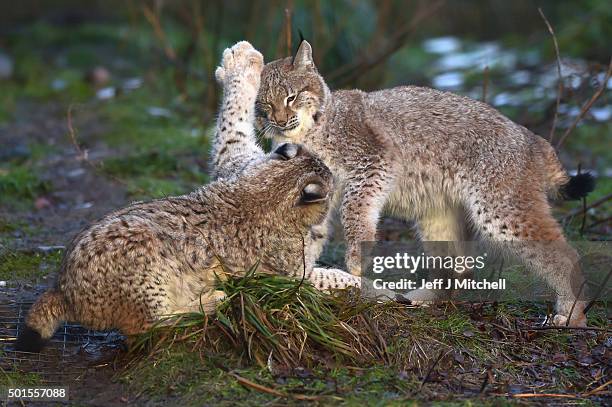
235	150
454	164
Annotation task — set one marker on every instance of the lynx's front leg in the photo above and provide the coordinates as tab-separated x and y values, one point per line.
235	145
328	279
364	199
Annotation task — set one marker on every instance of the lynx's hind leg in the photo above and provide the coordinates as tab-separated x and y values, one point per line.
523	224
444	224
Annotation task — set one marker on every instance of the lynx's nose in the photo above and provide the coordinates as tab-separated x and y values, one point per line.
286	151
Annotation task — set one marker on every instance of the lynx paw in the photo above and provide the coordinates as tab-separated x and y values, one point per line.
421	297
240	61
577	321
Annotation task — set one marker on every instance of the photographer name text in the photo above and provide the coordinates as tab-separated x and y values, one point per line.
440	284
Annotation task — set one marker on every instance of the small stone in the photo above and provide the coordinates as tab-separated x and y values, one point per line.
106	93
6	66
132	83
49	249
19	151
99	76
159	112
41	203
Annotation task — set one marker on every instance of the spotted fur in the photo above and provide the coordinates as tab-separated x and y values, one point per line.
235	148
163	257
456	165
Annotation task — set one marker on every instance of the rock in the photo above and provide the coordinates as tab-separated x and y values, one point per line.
41	203
106	93
99	76
6	66
18	151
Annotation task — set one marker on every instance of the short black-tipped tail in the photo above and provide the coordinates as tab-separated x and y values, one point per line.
578	186
30	340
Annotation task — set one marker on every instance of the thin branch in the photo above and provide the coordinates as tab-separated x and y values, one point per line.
485	83
570	328
587	106
595	204
288	28
533	395
597	390
349	72
264	389
433	365
559	78
83	155
599	222
153	19
602	287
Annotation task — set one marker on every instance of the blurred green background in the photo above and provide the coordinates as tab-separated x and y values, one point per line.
103	102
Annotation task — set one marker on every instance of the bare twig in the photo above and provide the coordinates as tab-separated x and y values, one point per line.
533	395
553	128
264	389
602	287
599	222
569	317
288	28
349	72
83	155
433	365
587	106
485	83
597	389
595	204
153	19
570	328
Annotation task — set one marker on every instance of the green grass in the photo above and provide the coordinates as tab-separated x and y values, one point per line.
25	266
297	343
20	185
155	174
17	378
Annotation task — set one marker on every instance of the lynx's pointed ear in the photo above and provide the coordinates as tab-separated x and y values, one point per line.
303	57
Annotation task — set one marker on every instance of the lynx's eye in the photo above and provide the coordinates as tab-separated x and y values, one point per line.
290	99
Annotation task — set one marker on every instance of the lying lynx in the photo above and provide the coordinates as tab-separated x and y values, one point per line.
162	257
454	164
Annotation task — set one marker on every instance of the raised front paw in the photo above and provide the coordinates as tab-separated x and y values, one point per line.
240	61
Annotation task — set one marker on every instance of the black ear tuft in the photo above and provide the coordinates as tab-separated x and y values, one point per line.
578	186
29	340
286	151
313	193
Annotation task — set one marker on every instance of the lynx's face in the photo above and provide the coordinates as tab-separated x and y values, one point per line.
295	183
291	96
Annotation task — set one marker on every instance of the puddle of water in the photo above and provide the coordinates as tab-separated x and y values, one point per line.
442	45
448	80
517	77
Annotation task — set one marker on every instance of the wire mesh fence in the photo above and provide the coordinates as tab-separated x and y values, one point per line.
68	356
